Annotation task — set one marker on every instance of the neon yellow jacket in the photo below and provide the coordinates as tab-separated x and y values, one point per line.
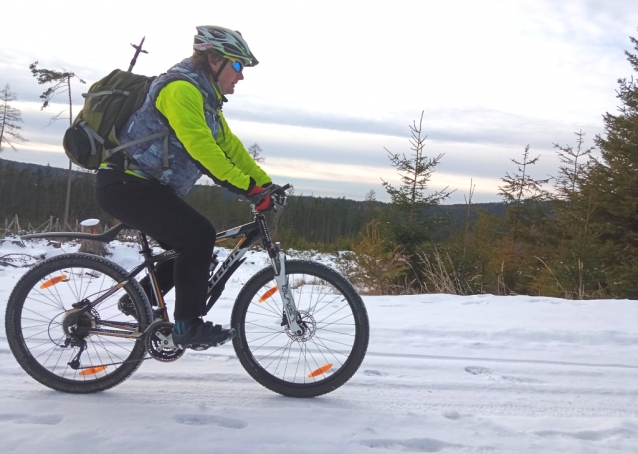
226	158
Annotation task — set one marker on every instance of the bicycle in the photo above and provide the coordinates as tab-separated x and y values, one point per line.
302	329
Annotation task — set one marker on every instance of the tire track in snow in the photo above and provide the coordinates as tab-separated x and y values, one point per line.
497	360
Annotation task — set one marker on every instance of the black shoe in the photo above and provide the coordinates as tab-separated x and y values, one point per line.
200	335
125	305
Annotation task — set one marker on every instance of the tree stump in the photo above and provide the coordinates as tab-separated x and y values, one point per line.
90	246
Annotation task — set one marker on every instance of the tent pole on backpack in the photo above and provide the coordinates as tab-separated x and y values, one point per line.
138	49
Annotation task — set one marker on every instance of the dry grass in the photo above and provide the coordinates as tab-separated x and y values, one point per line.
440	275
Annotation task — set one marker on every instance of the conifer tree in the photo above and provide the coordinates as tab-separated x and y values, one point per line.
61	81
9	130
570	240
613	182
255	151
525	214
411	225
573	168
522	194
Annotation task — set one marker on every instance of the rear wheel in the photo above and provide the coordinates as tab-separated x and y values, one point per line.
335	330
47	328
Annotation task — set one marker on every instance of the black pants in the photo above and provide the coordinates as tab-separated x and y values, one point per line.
154	209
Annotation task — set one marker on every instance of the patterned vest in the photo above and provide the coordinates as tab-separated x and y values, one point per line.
182	171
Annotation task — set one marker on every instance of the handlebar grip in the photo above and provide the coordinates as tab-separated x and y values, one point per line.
257	198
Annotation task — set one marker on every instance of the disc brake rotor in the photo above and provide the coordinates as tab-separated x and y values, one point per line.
308	326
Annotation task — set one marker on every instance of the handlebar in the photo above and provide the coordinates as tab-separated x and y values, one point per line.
278	200
257	198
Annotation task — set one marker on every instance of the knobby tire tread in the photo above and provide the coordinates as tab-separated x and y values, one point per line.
22	353
253	368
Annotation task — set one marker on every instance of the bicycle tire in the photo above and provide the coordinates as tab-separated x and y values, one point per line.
325	366
44	296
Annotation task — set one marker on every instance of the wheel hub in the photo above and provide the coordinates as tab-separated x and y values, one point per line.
308	326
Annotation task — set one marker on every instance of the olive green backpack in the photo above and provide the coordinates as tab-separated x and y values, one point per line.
92	139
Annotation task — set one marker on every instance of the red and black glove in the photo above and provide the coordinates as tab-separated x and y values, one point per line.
264	204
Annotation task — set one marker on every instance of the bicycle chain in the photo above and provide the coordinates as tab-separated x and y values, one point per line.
141	338
115	364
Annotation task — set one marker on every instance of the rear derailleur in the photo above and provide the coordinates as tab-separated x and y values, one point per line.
75	342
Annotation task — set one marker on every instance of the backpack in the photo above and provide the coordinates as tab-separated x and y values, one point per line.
91	139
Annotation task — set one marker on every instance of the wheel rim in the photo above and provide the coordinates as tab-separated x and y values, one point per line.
47	318
326	343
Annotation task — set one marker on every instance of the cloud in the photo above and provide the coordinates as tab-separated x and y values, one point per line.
475	125
362	174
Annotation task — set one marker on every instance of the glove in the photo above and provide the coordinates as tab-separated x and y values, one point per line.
265	204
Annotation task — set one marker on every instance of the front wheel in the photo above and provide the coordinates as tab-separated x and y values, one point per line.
331	346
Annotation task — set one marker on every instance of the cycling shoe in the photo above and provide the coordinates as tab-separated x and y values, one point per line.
199	335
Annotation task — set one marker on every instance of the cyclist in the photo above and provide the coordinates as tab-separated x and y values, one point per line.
187	100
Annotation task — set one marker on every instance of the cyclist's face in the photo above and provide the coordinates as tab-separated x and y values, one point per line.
228	77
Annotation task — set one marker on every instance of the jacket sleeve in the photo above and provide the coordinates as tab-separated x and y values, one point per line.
183	106
238	154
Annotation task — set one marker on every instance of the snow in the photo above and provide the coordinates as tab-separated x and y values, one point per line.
443	373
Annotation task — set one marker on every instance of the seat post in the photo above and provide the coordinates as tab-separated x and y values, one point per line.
146	249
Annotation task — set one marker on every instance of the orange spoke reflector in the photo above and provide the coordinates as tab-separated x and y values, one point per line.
93	370
320	371
268	294
51	282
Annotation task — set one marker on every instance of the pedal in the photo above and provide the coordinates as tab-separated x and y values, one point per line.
200	348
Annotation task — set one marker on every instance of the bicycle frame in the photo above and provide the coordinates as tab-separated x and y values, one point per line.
247	234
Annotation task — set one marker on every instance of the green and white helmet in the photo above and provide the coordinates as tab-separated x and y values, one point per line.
226	41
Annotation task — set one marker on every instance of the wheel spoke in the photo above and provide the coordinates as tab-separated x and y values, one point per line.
45	318
323	349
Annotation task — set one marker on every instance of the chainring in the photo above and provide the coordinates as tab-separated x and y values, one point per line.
159	342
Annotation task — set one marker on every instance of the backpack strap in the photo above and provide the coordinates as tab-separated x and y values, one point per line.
94	136
157	135
106	92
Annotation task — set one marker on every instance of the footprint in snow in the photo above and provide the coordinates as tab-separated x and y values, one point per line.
373	373
409	445
210	420
487	373
16	418
475	370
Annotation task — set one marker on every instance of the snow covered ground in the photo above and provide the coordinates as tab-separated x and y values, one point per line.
443	374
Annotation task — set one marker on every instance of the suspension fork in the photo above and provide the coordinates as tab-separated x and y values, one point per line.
279	265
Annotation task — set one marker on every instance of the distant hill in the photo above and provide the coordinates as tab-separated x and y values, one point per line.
34	167
456	212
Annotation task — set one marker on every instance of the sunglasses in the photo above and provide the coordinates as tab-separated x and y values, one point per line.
236	64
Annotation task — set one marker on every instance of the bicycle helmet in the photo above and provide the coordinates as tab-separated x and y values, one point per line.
226	41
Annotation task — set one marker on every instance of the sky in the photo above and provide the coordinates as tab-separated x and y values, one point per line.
339	82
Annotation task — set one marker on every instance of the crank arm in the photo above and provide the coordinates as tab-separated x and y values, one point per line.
290	308
167	341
